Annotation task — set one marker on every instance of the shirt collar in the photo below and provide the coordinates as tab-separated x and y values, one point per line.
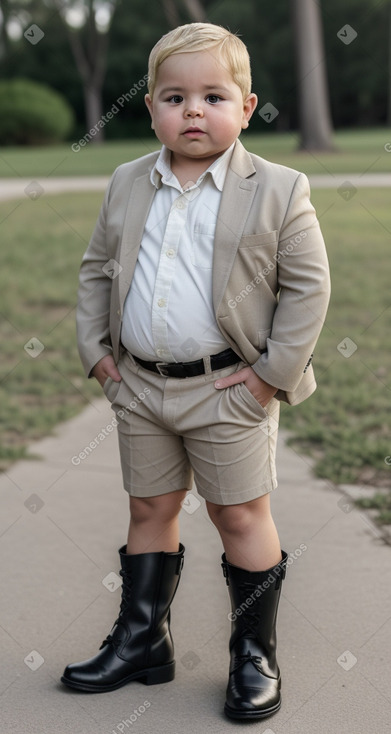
161	172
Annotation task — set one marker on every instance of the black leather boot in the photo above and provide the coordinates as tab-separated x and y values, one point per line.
253	690
139	646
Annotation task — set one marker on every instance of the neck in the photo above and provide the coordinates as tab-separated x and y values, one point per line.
190	169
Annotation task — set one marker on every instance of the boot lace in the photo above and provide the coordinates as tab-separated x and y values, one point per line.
249	623
250	617
124	607
126	592
240	660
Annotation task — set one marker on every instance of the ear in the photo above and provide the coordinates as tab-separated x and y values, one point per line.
149	103
249	106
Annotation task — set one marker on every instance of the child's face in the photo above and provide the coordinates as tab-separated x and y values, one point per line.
197	109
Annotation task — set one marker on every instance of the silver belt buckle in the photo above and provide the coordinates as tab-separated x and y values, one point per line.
161	366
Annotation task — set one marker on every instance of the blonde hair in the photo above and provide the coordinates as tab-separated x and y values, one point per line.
198	37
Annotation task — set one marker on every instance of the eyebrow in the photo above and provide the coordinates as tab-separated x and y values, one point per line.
208	87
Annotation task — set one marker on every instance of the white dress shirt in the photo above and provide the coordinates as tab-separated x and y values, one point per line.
168	312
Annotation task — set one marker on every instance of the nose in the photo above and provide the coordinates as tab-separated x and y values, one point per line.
193	109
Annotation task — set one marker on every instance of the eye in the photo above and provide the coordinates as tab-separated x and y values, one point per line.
213	98
175	98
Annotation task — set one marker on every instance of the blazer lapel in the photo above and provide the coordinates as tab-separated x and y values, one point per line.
236	201
137	211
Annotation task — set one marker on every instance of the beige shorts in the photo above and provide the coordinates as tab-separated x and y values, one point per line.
174	430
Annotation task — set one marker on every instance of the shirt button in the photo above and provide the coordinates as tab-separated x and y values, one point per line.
170	253
180	204
159	352
161	302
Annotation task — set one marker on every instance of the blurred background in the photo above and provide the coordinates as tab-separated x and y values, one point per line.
95	50
72	85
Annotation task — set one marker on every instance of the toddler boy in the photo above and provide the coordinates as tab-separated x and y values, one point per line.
202	295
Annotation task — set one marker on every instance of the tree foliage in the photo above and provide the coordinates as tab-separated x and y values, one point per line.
32	113
357	72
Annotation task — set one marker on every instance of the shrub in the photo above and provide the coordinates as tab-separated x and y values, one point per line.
32	113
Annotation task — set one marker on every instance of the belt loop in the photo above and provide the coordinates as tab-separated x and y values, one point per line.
208	369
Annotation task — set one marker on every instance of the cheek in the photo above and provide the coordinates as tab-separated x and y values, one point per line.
166	121
226	124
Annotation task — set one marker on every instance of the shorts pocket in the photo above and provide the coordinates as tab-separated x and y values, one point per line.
251	401
111	388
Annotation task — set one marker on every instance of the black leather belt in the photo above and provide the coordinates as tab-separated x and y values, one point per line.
190	369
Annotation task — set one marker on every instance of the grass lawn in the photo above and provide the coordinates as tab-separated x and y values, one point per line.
345	426
45	241
357	151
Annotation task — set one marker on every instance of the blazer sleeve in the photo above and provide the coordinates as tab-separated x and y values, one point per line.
93	302
304	293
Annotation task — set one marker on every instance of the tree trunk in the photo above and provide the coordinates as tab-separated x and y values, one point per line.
91	61
389	68
196	11
194	8
314	109
171	13
94	111
4	40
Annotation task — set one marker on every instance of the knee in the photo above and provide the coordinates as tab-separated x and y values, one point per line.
239	519
230	519
162	509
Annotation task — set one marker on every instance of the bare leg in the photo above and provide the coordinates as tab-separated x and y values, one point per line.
154	523
248	533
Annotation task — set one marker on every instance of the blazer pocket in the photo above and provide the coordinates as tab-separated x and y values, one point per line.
257	240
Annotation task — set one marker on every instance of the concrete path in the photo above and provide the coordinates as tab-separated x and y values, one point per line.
14	188
61	525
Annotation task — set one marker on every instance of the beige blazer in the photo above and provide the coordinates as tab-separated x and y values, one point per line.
271	283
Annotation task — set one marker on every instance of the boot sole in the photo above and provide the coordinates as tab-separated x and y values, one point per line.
149	676
251	715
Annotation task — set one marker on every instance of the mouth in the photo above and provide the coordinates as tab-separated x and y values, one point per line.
193	131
